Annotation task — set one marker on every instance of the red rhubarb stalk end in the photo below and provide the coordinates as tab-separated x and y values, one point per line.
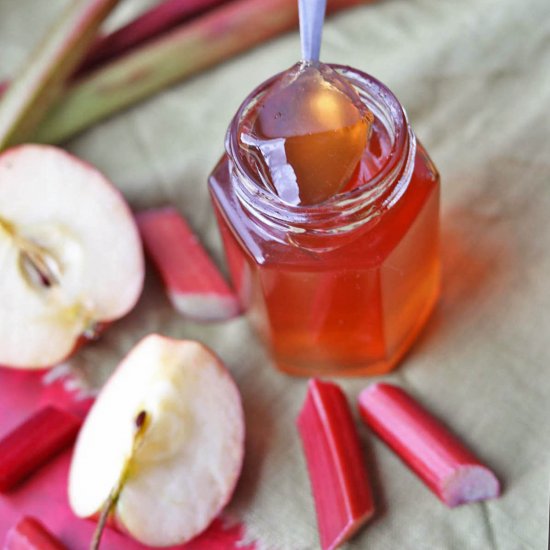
194	285
445	465
30	534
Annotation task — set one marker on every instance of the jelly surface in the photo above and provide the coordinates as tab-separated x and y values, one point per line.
307	134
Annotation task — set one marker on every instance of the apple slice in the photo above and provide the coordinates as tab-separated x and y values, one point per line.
162	447
70	255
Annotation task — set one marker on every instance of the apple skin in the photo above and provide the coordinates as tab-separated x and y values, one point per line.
10	158
234	458
83	339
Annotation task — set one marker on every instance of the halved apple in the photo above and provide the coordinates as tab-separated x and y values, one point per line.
70	255
174	479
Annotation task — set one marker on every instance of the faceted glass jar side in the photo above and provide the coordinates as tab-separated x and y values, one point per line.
348	293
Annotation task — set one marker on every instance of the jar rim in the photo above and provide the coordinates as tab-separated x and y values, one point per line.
346	209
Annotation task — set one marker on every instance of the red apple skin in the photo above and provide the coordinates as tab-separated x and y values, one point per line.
82	340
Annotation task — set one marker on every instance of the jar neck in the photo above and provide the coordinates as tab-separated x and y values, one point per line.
345	211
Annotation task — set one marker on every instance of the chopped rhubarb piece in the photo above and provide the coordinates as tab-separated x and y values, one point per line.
31	444
339	482
450	470
194	284
30	534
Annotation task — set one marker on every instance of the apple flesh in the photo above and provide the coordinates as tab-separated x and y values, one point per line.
70	255
185	467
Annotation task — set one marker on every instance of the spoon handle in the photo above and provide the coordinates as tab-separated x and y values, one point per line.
312	14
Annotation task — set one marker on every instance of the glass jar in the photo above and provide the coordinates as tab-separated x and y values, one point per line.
342	287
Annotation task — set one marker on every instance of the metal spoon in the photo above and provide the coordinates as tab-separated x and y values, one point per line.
312	15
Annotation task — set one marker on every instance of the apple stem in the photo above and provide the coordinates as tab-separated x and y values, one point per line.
105	513
141	422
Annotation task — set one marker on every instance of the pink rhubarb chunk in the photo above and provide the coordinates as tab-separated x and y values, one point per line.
30	534
34	442
194	285
447	467
339	482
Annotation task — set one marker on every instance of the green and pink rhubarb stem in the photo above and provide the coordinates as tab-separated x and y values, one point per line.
40	83
180	53
151	24
160	18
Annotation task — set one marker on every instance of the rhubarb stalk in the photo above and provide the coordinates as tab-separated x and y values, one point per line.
193	283
34	442
157	20
339	482
445	465
30	534
191	47
40	83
